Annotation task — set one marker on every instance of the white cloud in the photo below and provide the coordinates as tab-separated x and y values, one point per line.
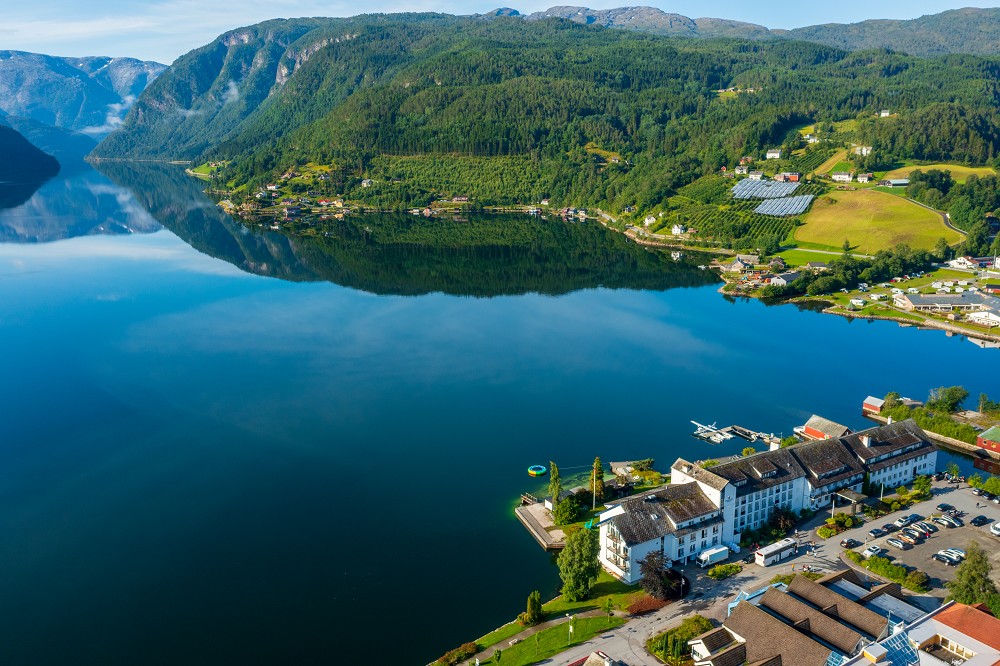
113	120
231	93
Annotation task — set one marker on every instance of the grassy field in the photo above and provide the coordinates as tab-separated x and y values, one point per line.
796	258
834	160
842	165
958	172
872	221
607	586
554	640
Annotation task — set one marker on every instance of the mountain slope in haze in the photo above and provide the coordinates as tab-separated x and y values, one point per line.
22	162
970	30
87	95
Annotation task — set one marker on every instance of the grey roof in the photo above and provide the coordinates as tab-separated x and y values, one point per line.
811	621
750	474
700	474
827	427
656	513
837	606
827	461
901	437
965	298
790	276
768	638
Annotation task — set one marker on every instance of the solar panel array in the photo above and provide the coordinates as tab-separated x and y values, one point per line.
762	189
785	207
901	653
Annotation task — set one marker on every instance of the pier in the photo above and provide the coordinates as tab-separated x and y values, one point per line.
538	521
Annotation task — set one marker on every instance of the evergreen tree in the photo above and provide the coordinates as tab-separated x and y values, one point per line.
972	582
578	564
597	480
555	485
533	614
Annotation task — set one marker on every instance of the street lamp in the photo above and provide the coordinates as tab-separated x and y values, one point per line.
569	635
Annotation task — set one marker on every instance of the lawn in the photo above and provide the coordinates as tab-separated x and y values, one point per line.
500	634
555	639
801	257
834	160
958	172
607	586
842	165
872	221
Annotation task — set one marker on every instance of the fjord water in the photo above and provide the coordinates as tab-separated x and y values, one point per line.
202	464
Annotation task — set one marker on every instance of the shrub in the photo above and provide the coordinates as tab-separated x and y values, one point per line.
825	532
672	645
917	581
533	614
567	511
720	571
645	604
458	655
854	557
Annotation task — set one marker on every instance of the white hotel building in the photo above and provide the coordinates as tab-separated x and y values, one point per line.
703	507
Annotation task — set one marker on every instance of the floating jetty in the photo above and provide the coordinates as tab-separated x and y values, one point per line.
710	433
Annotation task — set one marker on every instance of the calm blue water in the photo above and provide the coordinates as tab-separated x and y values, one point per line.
199	465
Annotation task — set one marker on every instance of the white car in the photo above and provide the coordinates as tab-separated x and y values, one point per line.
960	554
995	529
871	551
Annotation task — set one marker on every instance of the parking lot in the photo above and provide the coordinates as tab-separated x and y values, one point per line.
919	556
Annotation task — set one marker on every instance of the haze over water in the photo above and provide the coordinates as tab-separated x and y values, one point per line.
203	465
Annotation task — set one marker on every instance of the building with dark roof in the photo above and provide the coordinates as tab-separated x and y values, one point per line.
706	507
818	427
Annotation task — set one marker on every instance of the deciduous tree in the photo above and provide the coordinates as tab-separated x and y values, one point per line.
972	584
578	564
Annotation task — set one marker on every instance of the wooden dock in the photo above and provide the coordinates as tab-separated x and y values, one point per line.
538	521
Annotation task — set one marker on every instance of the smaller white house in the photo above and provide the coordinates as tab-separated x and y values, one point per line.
367	182
965	263
866	177
678	229
884	113
864	151
742	170
756	175
842	176
774	154
650	219
984	318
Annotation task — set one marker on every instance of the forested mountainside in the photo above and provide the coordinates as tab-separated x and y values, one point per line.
969	30
22	162
595	116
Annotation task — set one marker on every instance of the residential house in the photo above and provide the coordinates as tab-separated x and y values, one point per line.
738	266
774	154
746	160
460	199
894	182
966	263
788	177
842	176
650	219
272	188
752	259
755	175
785	279
866	177
678	229
884	113
777	264
863	151
367	182
742	170
818	427
817	266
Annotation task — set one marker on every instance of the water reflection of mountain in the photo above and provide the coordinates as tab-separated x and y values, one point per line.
487	255
78	203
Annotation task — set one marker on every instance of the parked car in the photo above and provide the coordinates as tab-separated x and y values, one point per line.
979	521
896	543
913	532
957	552
954	520
925	527
903	522
944	560
888	528
876	533
996	499
944	507
940	520
908	538
871	551
977	492
987	496
995	529
954	559
850	543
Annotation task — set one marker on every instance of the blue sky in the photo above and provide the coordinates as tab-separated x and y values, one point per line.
164	29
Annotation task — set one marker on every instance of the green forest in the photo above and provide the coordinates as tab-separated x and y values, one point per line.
503	111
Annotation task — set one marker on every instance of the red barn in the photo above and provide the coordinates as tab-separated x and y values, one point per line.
819	428
989	439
